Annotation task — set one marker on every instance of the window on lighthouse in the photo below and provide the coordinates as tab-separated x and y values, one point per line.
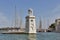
31	20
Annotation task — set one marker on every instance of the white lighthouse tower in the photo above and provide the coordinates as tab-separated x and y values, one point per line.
30	22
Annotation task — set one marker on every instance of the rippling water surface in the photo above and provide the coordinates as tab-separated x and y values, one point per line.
38	36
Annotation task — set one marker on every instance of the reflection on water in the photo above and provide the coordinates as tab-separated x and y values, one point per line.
38	36
31	37
17	36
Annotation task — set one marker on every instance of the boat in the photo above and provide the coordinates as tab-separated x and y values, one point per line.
14	32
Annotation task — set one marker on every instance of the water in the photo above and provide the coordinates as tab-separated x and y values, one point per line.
38	36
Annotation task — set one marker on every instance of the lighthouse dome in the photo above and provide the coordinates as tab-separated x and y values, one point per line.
30	11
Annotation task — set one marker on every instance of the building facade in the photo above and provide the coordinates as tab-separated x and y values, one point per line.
57	21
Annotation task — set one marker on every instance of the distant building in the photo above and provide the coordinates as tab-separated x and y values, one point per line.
57	28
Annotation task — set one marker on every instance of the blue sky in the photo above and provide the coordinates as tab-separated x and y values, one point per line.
48	10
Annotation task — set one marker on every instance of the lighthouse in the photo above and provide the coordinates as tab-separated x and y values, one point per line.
30	22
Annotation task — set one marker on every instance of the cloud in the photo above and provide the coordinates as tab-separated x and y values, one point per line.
4	22
56	12
53	15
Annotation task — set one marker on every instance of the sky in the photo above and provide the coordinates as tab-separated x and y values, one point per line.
47	10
